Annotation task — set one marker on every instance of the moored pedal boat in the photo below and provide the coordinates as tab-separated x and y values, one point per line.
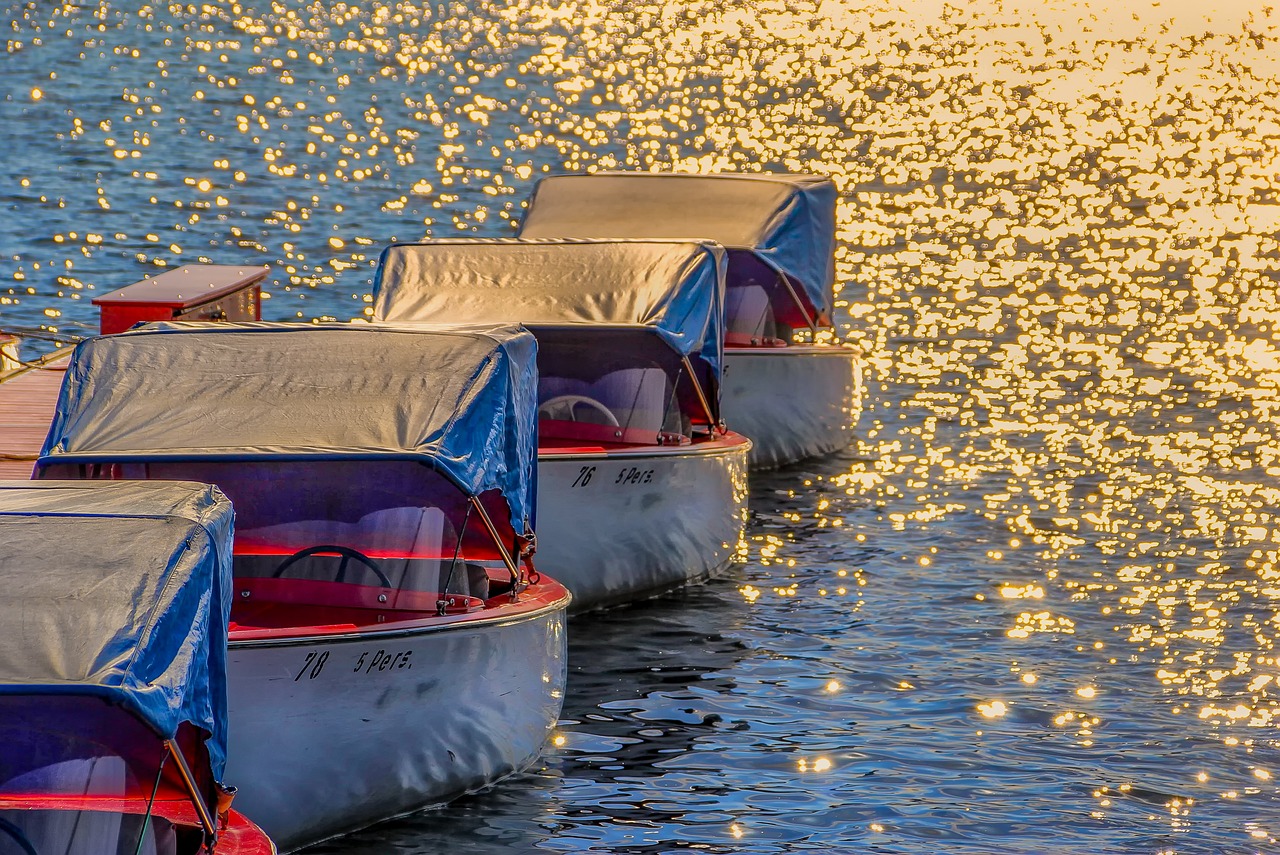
113	694
640	487
649	519
802	400
793	398
388	648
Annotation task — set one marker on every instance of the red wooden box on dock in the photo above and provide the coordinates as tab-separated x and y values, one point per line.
196	292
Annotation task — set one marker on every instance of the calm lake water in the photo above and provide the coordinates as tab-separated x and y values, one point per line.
1034	609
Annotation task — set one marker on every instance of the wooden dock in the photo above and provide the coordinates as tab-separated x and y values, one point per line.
27	400
29	391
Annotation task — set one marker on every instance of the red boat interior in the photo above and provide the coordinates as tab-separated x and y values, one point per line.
266	607
333	546
594	395
763	308
118	825
749	319
80	776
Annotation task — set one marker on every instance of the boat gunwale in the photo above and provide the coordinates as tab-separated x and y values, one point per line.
805	349
506	614
728	443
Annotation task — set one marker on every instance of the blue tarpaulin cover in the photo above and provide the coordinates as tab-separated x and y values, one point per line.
785	221
462	399
121	591
671	289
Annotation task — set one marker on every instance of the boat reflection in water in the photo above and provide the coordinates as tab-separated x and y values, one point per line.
388	649
652	693
787	385
113	693
640	486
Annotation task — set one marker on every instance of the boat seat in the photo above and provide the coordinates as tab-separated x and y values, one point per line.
471	581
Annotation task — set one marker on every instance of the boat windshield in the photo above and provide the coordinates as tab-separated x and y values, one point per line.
586	395
80	777
749	316
762	303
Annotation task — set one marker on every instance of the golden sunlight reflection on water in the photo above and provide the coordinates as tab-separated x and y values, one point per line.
1058	228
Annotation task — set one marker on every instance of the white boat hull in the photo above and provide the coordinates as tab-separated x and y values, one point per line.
335	733
619	526
793	402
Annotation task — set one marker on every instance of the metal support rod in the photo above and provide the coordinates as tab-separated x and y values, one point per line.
202	810
497	539
457	550
702	398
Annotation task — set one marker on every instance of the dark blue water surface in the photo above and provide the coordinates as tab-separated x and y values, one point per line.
1033	609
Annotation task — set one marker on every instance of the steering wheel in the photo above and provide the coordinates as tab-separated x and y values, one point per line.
564	407
347	554
24	842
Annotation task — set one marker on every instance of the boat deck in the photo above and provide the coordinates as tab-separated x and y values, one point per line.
27	401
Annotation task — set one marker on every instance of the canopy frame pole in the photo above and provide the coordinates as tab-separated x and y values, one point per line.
202	810
502	550
702	397
453	565
151	802
782	277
